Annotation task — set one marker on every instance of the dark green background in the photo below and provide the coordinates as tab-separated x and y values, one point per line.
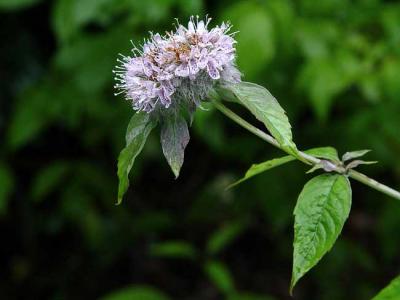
334	65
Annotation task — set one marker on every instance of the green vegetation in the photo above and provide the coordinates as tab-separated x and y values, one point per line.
333	65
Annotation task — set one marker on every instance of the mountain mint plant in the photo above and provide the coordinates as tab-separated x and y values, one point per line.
169	77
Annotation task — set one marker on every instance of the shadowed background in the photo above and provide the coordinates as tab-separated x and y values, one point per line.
333	65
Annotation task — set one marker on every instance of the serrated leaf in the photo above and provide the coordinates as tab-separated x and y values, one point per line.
139	129
321	152
354	154
173	249
225	235
136	293
220	276
174	139
321	210
266	109
391	292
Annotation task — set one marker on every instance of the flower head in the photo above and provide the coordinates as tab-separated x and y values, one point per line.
181	65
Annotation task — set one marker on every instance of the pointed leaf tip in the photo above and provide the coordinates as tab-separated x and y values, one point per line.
320	213
174	139
320	152
138	130
354	154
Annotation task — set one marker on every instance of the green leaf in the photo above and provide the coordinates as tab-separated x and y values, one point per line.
328	153
266	109
136	293
322	152
69	15
224	236
391	292
354	154
253	20
6	187
173	249
174	139
249	296
139	129
220	276
356	163
326	77
136	126
47	179
256	169
321	210
16	4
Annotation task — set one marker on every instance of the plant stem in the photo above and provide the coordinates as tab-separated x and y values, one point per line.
258	132
374	184
311	159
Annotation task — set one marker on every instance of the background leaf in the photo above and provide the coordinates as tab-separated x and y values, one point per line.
173	249
16	4
249	296
321	210
48	179
6	188
224	236
136	293
220	277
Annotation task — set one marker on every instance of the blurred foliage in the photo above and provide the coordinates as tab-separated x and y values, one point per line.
333	65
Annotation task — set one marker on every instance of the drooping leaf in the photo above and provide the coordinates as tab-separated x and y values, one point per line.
220	276
136	125
321	210
225	235
173	249
266	109
321	152
354	154
139	129
174	139
391	292
136	293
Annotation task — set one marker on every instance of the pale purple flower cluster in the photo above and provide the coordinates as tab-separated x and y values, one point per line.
182	64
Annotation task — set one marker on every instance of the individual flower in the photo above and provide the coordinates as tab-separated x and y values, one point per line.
179	67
